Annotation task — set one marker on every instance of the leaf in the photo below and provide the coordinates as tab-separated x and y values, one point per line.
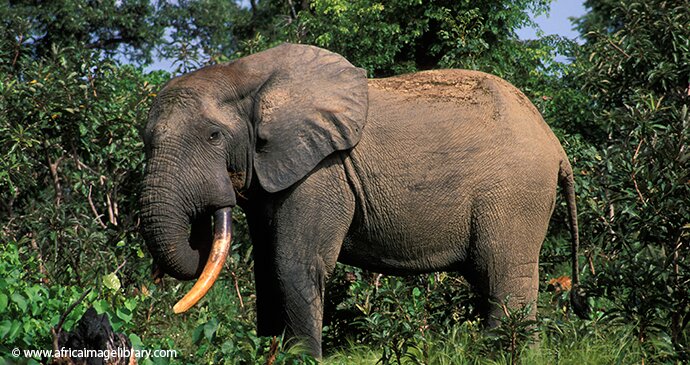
3	302
227	347
136	341
131	304
14	330
196	335
124	314
5	327
101	306
210	328
20	301
112	282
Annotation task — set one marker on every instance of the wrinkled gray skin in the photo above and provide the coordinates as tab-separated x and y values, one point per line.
449	170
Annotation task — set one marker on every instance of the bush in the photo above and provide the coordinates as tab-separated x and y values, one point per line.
403	317
33	309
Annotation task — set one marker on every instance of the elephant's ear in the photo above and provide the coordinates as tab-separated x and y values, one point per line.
313	104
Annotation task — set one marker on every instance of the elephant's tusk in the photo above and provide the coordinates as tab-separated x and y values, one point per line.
219	252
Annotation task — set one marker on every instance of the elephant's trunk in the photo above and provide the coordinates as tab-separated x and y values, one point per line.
183	253
219	253
166	230
171	205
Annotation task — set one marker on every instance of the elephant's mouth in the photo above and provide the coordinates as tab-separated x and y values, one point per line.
200	239
213	254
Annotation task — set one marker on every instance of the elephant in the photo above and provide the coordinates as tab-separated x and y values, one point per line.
439	170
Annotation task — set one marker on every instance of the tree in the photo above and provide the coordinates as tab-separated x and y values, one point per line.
635	71
69	130
191	32
115	27
400	36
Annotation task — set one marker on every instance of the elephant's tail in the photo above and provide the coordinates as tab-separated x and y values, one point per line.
577	296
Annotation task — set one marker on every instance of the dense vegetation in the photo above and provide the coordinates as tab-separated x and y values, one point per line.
74	97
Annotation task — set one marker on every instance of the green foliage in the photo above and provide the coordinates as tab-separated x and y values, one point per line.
402	36
111	26
564	341
31	307
200	32
405	317
190	33
69	178
71	132
28	308
514	332
389	323
635	71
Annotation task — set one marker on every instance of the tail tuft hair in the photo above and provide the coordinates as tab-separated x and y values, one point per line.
579	302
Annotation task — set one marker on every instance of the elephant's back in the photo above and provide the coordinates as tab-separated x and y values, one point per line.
460	108
447	85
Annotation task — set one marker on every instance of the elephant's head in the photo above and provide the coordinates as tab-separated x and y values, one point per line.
272	115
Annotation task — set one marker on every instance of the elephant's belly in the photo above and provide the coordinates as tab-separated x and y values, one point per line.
405	253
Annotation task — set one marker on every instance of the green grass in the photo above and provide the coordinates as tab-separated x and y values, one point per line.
568	343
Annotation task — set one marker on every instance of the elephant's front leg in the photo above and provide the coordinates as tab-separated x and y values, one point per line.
270	310
307	226
301	284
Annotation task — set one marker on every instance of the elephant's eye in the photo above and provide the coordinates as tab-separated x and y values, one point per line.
214	137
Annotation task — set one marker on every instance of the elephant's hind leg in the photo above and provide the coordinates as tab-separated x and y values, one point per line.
505	255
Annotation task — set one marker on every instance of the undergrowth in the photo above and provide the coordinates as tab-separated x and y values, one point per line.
425	319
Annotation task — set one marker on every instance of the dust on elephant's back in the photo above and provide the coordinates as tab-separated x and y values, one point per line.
472	89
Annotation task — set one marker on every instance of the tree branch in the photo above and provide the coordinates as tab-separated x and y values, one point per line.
39	256
612	44
237	289
93	209
56	330
53	167
293	13
112	210
18	50
634	159
103	43
120	267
